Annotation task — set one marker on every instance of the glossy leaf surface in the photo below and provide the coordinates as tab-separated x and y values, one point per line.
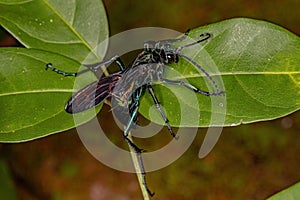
70	28
256	63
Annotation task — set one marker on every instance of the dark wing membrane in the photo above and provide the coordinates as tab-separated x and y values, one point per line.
92	94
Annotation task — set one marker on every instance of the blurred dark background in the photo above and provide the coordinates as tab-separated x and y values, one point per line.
249	162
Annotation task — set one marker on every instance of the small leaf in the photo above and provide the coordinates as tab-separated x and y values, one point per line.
70	28
258	63
291	193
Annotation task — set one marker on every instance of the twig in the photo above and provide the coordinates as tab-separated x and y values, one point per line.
138	170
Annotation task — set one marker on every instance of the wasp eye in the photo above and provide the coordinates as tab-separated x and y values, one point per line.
171	58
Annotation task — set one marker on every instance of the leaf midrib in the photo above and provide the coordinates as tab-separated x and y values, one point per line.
71	28
238	73
38	91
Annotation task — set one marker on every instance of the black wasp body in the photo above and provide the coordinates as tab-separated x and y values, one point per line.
128	85
148	67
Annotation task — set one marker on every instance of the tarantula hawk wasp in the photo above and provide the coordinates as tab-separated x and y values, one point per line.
129	84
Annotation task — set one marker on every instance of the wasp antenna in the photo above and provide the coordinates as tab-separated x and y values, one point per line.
205	36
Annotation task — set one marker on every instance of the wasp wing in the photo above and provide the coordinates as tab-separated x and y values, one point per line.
92	94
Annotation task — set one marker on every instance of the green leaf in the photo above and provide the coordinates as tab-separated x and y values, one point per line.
32	99
291	193
258	63
70	28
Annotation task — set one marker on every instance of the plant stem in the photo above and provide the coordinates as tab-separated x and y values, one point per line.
138	170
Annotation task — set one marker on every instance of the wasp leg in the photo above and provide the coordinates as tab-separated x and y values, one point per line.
137	150
96	66
91	67
139	156
127	129
50	66
162	113
193	88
